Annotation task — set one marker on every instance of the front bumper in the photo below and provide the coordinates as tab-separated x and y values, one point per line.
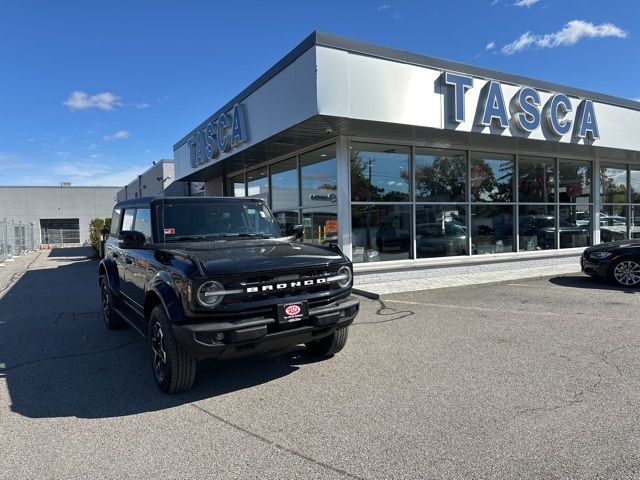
254	335
595	268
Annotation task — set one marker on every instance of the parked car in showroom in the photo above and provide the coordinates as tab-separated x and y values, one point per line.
618	261
204	277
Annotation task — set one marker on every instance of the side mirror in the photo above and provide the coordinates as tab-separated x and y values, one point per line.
297	232
131	239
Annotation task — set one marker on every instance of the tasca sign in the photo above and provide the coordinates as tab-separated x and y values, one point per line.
219	136
527	112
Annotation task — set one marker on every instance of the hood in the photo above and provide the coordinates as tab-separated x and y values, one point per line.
613	245
232	257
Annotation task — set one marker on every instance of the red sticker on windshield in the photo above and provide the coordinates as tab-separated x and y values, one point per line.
169	231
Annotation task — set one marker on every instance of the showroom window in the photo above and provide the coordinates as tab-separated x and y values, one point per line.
236	186
284	185
441	230
575	198
381	215
492	177
618	191
440	176
379	173
300	190
381	232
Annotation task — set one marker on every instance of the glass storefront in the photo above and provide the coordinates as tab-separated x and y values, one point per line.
381	232
419	202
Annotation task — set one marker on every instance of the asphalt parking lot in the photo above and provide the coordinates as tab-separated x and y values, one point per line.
535	378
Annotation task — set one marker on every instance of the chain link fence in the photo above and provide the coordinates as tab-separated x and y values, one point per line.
16	238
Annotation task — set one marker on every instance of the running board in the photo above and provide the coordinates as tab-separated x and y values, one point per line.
130	323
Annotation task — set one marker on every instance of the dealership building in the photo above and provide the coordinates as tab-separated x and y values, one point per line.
408	161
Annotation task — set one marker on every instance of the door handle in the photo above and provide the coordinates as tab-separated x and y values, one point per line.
128	261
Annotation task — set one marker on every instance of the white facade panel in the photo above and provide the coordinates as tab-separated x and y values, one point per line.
368	88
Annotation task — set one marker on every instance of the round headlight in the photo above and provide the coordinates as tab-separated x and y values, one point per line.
210	294
345	273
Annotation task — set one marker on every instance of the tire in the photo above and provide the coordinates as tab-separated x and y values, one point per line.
173	368
111	319
626	272
328	346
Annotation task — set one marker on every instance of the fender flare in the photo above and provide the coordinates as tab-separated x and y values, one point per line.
111	269
168	299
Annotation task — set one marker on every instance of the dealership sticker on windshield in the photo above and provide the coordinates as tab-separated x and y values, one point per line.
169	231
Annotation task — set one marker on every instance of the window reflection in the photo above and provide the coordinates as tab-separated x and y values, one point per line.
320	225
575	182
575	226
379	172
286	220
284	184
319	171
613	184
441	175
258	184
491	177
635	185
537	227
441	230
381	232
634	221
536	179
236	186
613	223
492	229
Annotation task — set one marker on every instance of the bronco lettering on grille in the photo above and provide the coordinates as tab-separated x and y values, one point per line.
285	286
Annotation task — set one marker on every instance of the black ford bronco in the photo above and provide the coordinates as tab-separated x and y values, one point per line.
204	277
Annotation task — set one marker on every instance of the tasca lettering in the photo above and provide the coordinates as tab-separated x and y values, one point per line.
527	113
219	136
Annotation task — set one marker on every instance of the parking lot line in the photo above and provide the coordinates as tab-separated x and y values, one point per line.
479	309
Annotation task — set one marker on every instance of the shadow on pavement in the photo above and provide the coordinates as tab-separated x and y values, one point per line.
584	281
59	360
85	252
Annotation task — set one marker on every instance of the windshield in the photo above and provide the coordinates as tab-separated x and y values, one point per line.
215	220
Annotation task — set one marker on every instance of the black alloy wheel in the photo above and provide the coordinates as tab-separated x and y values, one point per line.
111	319
173	368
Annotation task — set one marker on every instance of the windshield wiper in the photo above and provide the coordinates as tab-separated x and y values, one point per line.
244	234
183	238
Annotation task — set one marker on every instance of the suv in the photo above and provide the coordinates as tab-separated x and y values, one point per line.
204	277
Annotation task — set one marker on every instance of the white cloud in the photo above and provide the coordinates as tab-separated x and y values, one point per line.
383	7
99	174
142	105
494	2
572	33
79	100
119	135
525	3
490	46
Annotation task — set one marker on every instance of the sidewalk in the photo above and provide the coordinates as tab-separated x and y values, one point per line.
382	283
12	269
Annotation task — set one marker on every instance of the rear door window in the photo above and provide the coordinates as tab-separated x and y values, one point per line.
143	223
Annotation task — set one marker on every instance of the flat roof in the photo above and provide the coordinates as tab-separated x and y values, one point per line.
377	51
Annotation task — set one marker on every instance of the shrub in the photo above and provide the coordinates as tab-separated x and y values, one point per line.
95	226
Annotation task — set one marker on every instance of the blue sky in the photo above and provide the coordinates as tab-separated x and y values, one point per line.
92	92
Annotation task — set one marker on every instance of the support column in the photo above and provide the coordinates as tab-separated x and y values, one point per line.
344	195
